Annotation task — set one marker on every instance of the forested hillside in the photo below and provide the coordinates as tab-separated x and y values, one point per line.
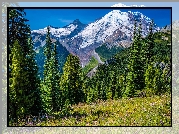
135	81
62	55
106	52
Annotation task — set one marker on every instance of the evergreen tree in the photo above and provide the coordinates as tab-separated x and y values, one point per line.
135	74
18	33
54	68
33	79
101	82
48	45
70	81
157	52
46	84
50	85
24	81
156	80
148	44
18	30
20	98
91	91
149	79
111	86
151	43
121	87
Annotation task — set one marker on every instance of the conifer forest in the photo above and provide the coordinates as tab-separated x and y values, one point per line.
132	87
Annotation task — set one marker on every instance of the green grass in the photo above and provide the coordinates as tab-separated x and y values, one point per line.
149	111
105	53
102	59
93	63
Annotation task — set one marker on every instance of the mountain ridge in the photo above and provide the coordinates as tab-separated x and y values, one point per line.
115	29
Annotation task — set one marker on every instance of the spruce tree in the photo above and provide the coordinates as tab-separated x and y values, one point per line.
135	74
149	75
18	30
151	43
101	85
54	68
33	79
70	83
46	84
129	91
24	81
156	81
148	44
20	98
121	87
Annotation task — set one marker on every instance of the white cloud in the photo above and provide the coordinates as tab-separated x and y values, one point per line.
65	21
122	5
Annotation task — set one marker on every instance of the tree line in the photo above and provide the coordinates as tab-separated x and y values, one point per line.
144	69
129	73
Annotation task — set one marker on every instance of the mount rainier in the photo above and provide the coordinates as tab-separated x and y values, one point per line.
113	29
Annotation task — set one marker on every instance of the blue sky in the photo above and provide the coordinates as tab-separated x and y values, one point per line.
40	18
174	5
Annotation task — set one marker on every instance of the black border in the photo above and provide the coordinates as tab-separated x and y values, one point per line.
115	8
89	8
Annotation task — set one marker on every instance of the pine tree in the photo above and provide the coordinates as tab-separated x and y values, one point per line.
24	81
148	45
18	30
54	68
47	53
19	101
151	43
33	79
156	81
101	85
121	87
48	47
70	81
135	74
149	75
46	84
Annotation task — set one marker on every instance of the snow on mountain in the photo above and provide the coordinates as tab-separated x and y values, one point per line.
102	29
57	32
114	29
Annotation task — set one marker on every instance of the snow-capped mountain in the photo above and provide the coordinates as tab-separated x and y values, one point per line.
113	29
112	23
57	33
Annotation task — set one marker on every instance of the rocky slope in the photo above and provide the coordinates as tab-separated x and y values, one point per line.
113	29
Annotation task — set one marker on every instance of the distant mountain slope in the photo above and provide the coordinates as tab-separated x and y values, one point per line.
107	53
114	29
62	55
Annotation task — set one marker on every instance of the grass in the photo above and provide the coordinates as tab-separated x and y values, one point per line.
93	63
102	59
106	53
149	111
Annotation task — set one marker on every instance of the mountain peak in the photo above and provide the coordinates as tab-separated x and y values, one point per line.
76	21
54	27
